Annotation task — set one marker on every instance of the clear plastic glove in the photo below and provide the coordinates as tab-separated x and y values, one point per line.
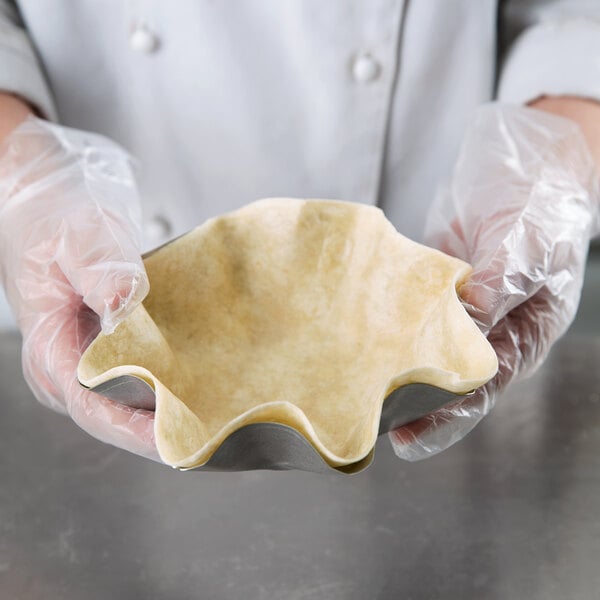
521	207
70	262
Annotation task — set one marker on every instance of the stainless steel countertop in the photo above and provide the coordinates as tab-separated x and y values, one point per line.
509	513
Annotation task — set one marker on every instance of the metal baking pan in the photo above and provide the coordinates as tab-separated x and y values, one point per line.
279	447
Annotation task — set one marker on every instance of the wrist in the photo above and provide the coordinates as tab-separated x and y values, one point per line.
584	112
13	111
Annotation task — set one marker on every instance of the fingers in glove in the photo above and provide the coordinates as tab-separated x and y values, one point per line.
50	358
521	341
441	429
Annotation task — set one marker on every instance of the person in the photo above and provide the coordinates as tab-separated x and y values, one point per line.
222	103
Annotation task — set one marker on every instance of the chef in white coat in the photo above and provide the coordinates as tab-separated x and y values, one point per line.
222	103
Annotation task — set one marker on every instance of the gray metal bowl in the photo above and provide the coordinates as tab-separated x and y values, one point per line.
280	447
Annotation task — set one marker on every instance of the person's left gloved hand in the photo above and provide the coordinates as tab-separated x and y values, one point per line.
521	207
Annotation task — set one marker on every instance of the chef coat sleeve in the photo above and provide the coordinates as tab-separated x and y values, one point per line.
20	70
548	47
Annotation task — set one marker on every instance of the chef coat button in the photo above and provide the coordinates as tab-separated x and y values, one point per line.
157	230
143	40
365	68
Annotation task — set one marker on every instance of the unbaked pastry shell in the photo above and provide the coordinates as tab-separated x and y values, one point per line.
306	313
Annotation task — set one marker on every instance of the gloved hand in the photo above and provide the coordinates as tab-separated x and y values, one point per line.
70	262
521	207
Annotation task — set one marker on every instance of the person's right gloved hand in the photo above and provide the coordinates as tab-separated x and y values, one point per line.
70	263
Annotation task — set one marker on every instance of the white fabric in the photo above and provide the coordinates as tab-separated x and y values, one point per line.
20	71
550	58
234	101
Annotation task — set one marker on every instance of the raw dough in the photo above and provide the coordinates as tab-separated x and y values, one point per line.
302	312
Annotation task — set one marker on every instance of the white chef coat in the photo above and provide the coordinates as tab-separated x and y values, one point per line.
223	102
